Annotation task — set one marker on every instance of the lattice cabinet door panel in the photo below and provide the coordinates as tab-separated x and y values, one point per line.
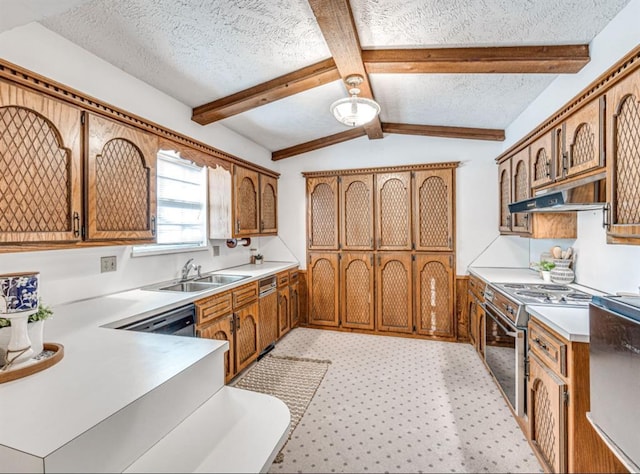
323	289
294	305
121	181
623	160
504	190
472	317
246	336
357	290
246	201
434	290
268	205
40	168
521	188
356	212
322	213
394	299
222	329
268	320
547	413
433	209
284	308
584	139
393	211
542	155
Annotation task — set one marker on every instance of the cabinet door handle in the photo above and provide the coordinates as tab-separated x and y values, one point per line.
153	225
76	224
237	225
606	216
541	344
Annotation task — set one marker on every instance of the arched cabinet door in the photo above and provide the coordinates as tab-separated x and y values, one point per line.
40	168
434	280
268	205
323	289
393	211
246	202
542	156
246	335
284	303
222	329
322	213
356	212
520	222
504	183
433	213
357	290
584	147
121	181
394	308
623	160
294	306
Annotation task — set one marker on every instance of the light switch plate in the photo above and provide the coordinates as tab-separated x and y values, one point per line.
216	250
108	264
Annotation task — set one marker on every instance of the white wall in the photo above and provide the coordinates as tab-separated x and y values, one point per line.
606	267
476	188
67	275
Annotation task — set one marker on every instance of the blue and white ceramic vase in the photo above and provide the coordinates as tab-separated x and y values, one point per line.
561	273
18	301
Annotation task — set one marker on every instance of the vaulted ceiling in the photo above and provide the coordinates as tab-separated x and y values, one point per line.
276	65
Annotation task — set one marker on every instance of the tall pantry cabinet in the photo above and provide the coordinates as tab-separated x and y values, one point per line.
381	249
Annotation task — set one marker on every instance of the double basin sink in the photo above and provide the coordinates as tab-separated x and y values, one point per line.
203	283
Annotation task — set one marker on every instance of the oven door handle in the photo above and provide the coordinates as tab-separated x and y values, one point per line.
492	308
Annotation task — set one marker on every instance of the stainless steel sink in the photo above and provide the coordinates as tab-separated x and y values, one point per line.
189	286
221	279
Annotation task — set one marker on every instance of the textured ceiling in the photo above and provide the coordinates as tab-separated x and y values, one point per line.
200	50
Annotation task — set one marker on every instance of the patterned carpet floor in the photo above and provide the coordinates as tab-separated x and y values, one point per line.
390	404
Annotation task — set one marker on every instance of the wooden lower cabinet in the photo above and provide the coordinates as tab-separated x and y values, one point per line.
558	399
222	329
284	304
547	412
394	298
246	336
357	290
322	273
434	280
294	305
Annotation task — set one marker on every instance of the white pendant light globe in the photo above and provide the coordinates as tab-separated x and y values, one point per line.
354	111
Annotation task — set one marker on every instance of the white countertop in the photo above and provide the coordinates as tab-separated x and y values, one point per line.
103	369
572	323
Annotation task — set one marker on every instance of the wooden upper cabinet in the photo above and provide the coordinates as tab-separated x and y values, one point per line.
547	414
542	156
394	299
220	202
268	205
504	188
357	290
433	211
393	211
40	163
521	188
356	212
246	202
584	139
322	213
121	181
434	280
623	159
323	277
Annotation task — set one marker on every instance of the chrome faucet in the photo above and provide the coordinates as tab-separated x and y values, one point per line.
188	267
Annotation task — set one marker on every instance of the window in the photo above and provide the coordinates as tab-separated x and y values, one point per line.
182	208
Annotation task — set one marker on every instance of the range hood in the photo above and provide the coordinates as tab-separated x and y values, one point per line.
584	194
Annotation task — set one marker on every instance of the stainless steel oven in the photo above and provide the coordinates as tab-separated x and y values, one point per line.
505	355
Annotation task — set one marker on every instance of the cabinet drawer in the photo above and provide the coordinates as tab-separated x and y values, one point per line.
215	306
293	276
283	279
549	348
245	294
476	286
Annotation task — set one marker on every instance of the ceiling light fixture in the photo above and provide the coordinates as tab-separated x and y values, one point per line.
354	111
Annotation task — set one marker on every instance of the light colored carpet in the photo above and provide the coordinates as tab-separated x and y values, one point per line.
293	380
392	404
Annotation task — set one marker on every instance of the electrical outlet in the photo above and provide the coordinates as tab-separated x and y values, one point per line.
216	250
108	264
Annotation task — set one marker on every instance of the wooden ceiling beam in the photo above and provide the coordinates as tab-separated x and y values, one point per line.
444	132
339	30
284	86
502	60
319	143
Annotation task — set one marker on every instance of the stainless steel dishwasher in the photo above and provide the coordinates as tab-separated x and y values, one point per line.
176	322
